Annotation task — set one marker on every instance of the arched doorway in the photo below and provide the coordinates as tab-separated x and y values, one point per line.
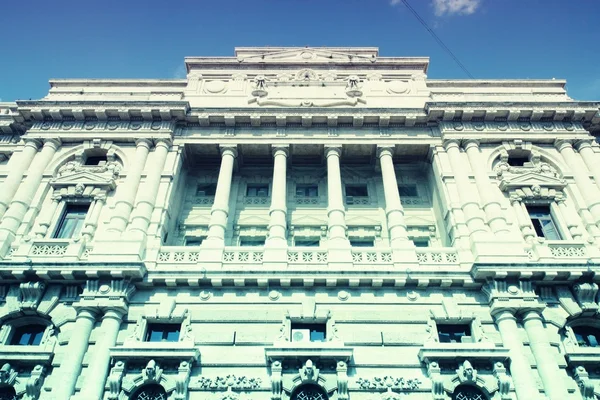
467	392
152	391
309	392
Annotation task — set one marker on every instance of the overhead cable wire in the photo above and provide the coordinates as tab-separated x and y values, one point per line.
437	39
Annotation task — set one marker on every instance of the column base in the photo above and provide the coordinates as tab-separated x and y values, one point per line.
121	250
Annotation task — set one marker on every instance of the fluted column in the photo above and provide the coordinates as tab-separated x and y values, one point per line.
97	371
590	158
469	204
336	213
15	174
126	192
487	192
278	211
393	205
520	368
552	378
220	208
70	367
22	199
569	218
588	190
146	197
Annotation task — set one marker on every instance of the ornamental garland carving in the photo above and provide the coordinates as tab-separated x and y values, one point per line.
511	126
103	125
382	383
229	381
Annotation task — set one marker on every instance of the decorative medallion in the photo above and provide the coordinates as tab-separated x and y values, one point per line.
398	87
274	295
215	86
205	295
343	295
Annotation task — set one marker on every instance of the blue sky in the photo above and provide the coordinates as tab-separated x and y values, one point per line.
43	39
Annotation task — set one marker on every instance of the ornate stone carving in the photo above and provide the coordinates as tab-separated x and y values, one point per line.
276	385
437	383
236	382
31	294
152	372
112	168
8	375
342	380
181	381
585	293
309	373
466	372
35	382
503	381
260	86
379	383
229	395
586	386
114	380
352	88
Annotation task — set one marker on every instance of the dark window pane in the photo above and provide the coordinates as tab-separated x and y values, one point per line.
162	333
194	241
542	222
28	335
94	160
362	242
587	336
517	161
72	221
257	191
259	241
408	190
421	242
307	242
307	191
206	189
357	190
317	331
451	333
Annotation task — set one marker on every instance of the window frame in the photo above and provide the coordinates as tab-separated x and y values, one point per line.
409	185
210	185
165	333
250	239
551	217
61	218
10	328
355	186
468	331
256	186
307	187
320	327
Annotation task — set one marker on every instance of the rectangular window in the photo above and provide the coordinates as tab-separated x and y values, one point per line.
307	190
420	242
544	226
357	190
362	242
28	335
408	191
194	241
257	190
308	332
307	242
206	189
163	332
71	222
453	333
252	241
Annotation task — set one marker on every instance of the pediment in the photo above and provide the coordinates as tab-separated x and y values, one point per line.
308	220
306	54
198	220
253	220
85	178
418	221
531	179
362	220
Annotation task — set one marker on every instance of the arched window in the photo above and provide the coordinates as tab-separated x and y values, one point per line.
152	391
467	392
309	392
587	336
8	393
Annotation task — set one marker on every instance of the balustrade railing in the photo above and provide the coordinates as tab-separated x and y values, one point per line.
440	255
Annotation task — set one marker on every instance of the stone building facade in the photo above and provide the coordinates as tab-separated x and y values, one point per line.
300	223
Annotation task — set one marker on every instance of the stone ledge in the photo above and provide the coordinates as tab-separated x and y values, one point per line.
315	351
33	355
180	351
462	351
584	355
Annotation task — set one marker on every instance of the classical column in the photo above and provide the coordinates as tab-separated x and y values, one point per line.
393	206
488	193
70	367
91	221
469	202
126	192
146	197
45	218
523	219
97	371
278	211
336	213
18	166
22	199
220	208
590	158
588	190
552	378
572	222
520	368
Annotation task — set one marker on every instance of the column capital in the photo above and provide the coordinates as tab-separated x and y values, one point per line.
531	314
280	149
114	313
504	314
333	150
582	144
54	143
163	142
451	143
143	143
229	150
86	312
35	143
384	150
471	143
561	144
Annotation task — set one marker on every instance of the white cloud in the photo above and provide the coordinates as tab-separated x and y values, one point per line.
449	7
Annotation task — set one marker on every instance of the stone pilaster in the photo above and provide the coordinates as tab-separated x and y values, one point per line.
19	163
590	158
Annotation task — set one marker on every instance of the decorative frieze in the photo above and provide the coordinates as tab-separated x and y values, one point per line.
232	381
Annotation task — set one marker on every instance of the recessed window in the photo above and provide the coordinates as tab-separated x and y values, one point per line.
357	190
309	332
544	226
95	160
28	335
252	241
587	336
71	222
307	190
514	161
163	332
194	241
408	191
420	242
366	242
257	190
307	241
453	333
206	189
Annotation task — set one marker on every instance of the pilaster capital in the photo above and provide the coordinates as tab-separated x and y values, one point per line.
383	150
471	144
230	150
451	143
583	144
35	143
562	144
163	142
515	297
86	312
53	143
280	149
114	313
333	150
147	143
531	314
